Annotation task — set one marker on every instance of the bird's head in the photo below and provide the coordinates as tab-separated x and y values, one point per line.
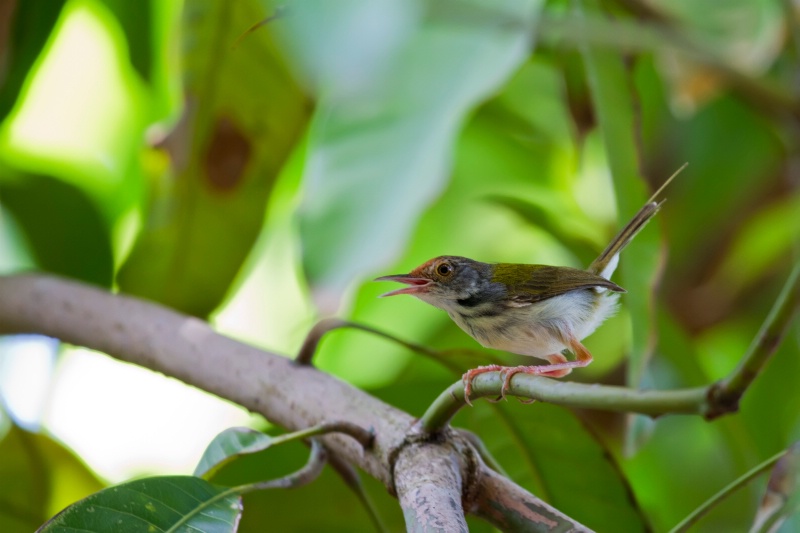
443	279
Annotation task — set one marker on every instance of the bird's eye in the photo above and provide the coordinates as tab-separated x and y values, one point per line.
444	269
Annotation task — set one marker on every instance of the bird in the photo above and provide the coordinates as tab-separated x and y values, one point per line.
532	310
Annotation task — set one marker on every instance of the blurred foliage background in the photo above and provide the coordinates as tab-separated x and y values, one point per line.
260	180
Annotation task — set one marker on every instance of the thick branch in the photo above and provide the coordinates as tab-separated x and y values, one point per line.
295	397
291	395
509	507
429	486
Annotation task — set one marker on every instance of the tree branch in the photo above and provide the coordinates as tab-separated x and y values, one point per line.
290	395
429	486
568	393
511	508
725	395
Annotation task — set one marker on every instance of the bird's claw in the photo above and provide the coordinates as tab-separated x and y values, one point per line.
470	375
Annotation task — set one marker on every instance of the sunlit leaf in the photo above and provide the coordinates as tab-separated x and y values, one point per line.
169	503
22	503
46	477
378	158
30	24
227	445
243	115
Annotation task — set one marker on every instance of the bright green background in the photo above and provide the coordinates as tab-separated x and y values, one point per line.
261	180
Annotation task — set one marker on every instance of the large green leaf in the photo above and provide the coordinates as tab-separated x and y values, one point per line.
29	25
243	115
65	230
379	154
546	449
170	503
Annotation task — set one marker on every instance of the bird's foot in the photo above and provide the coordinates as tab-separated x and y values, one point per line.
538	370
471	374
556	370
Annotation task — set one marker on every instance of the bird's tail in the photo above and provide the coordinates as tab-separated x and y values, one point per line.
607	262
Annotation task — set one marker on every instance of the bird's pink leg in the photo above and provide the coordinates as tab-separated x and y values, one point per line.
470	375
559	366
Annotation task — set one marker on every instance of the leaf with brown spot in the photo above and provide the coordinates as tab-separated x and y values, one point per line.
242	118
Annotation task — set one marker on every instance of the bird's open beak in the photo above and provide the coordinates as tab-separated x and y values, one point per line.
416	284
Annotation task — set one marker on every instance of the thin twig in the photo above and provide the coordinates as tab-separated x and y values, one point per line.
365	437
732	487
567	393
306	354
304	476
726	394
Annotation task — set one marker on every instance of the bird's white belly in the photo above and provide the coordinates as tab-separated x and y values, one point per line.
542	328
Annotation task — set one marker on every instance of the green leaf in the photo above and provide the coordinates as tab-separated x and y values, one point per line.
243	115
610	87
228	445
547	450
335	507
65	231
22	503
46	477
378	157
580	235
763	240
30	25
136	19
170	503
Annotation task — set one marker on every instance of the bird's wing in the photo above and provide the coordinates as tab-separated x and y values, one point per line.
546	282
